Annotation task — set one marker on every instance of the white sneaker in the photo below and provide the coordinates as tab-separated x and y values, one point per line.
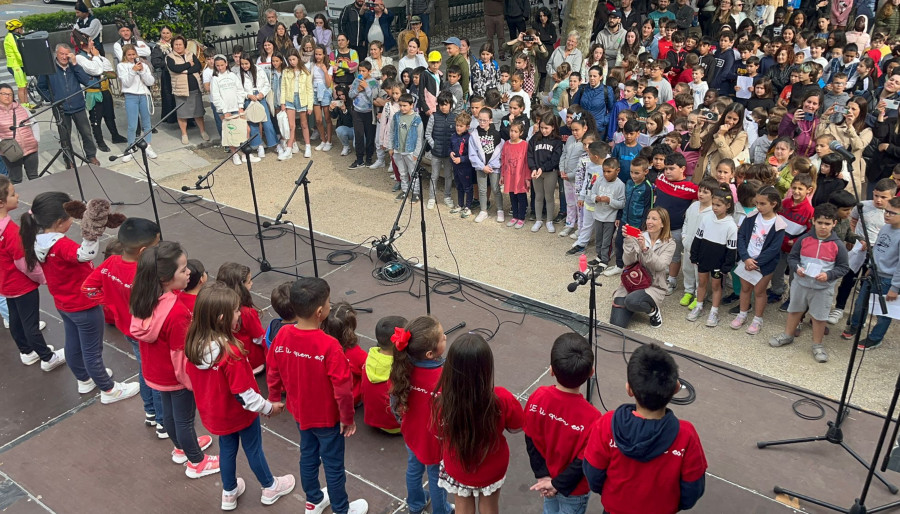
307	153
280	147
695	313
42	325
317	508
327	147
500	217
236	159
320	146
295	148
254	158
243	157
574	234
120	391
32	358
550	227
314	135
285	154
481	216
261	151
537	226
86	386
6	324
58	359
345	151
430	200
448	202
358	507
565	231
230	501
612	270
377	164
150	153
835	316
127	158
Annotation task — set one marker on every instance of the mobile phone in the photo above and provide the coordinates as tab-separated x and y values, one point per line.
809	116
710	116
632	231
892	104
840	109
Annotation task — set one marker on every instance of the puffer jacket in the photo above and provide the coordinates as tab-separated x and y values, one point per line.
599	100
176	63
440	127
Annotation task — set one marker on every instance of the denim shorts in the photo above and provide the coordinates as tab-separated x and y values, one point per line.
322	95
295	105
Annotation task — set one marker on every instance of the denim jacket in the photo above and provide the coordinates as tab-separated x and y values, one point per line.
413	139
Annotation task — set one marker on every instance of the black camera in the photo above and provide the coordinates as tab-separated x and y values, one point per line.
528	38
710	116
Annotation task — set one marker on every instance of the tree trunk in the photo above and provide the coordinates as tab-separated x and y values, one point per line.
579	16
263	5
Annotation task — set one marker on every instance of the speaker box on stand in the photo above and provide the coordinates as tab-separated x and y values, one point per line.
37	56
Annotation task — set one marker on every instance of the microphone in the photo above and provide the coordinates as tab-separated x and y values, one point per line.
267	224
839	149
117	157
193	188
580	280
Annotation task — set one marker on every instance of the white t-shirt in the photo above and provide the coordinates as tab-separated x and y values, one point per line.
761	229
207	75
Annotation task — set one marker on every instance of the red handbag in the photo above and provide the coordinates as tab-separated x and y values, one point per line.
636	277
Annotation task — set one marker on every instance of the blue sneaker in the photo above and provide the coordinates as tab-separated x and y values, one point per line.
773	298
784	306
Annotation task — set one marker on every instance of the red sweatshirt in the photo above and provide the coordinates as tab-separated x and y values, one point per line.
356	358
110	284
217	390
375	389
65	274
252	335
494	466
557	424
799	220
310	366
162	338
13	282
189	300
415	426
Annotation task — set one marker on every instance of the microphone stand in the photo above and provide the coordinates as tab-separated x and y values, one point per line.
57	119
301	181
834	434
142	144
421	173
581	278
264	264
202	178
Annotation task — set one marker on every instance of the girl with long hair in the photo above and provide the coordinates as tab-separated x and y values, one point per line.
227	96
724	139
250	331
469	416
321	77
544	152
297	98
160	324
256	87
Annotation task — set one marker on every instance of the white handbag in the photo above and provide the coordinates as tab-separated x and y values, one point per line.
284	127
255	112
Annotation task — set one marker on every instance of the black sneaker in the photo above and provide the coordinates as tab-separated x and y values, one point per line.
102	147
149	419
594	262
735	310
656	318
575	250
400	196
161	432
356	165
731	298
868	344
785	305
772	297
370	162
117	139
559	217
532	217
415	198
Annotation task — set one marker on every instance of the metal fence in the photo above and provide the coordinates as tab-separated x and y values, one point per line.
225	45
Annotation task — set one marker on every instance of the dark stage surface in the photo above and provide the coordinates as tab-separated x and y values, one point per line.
64	452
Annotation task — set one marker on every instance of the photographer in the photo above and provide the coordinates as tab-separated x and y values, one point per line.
719	139
801	124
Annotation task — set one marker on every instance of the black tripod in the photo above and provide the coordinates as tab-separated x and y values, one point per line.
384	247
589	275
835	434
301	181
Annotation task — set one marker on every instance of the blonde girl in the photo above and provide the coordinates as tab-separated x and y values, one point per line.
297	97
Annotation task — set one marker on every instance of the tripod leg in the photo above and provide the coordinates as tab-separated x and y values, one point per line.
47	167
763	444
812	500
891	487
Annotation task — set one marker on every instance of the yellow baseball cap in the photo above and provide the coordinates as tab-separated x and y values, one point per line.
434	56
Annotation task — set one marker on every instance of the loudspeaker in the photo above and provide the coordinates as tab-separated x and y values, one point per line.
37	57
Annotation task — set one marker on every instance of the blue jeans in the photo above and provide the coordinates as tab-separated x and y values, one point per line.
862	303
251	439
84	346
218	117
137	107
416	495
325	445
4	308
151	398
345	135
560	504
268	129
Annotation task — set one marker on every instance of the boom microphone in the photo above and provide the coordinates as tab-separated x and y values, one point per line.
839	149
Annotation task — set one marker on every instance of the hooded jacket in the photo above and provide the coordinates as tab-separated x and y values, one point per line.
225	390
861	38
375	391
162	337
829	253
641	465
771	250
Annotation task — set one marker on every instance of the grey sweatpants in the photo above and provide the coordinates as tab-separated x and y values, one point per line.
439	164
482	179
544	190
406	166
603	236
778	282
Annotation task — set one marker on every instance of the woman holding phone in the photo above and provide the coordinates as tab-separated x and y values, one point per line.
850	129
801	124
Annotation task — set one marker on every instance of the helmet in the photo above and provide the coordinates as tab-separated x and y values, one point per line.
13	24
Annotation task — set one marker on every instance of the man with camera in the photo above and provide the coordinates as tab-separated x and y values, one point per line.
352	23
66	84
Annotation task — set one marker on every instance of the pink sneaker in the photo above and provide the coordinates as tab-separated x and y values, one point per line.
283	486
208	466
738	321
229	501
178	456
754	327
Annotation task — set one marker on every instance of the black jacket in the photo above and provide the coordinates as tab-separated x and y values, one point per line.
517	9
544	153
353	25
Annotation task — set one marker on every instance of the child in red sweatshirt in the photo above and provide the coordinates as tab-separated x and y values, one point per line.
797	210
376	377
110	284
310	367
341	325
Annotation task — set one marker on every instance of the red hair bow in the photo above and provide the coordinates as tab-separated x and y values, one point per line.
400	338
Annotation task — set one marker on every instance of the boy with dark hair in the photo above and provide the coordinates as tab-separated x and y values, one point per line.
658	81
651	103
375	386
281	304
455	88
311	368
406	140
886	250
819	259
722	77
363	91
441	125
675	194
629	102
638	200
797	211
608	195
110	284
554	446
628	149
640	457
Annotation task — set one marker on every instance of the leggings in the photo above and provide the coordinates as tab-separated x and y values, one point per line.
178	420
519	203
482	178
544	191
624	307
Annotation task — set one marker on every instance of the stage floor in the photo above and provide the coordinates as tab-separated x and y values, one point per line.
65	452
